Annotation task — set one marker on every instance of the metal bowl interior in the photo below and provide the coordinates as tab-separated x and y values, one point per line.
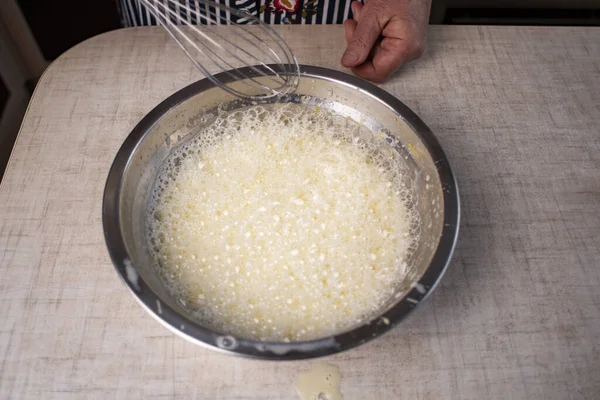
184	113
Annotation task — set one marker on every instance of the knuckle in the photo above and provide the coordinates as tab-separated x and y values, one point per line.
416	38
419	48
414	47
405	51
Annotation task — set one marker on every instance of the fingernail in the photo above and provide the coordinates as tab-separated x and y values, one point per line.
350	57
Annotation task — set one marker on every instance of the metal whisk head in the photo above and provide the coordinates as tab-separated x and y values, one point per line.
195	26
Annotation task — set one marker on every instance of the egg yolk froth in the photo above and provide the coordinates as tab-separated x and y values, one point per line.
281	226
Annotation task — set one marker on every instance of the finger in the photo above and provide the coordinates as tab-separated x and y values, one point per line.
356	10
349	28
366	34
388	56
375	72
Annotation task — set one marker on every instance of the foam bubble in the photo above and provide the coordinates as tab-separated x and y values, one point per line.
281	224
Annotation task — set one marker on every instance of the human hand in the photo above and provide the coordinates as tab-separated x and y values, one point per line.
385	34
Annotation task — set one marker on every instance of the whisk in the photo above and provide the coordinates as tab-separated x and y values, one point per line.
271	69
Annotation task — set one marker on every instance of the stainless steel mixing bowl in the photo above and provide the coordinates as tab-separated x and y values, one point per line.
382	117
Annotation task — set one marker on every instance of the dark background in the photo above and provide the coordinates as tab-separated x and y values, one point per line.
60	24
4	93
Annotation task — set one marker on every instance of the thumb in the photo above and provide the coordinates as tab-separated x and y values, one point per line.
366	34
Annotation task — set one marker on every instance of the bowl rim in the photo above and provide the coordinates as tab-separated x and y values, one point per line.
198	334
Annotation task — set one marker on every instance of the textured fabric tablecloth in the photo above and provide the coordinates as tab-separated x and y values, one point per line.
517	315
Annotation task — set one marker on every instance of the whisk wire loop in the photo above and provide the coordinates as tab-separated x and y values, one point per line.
209	48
